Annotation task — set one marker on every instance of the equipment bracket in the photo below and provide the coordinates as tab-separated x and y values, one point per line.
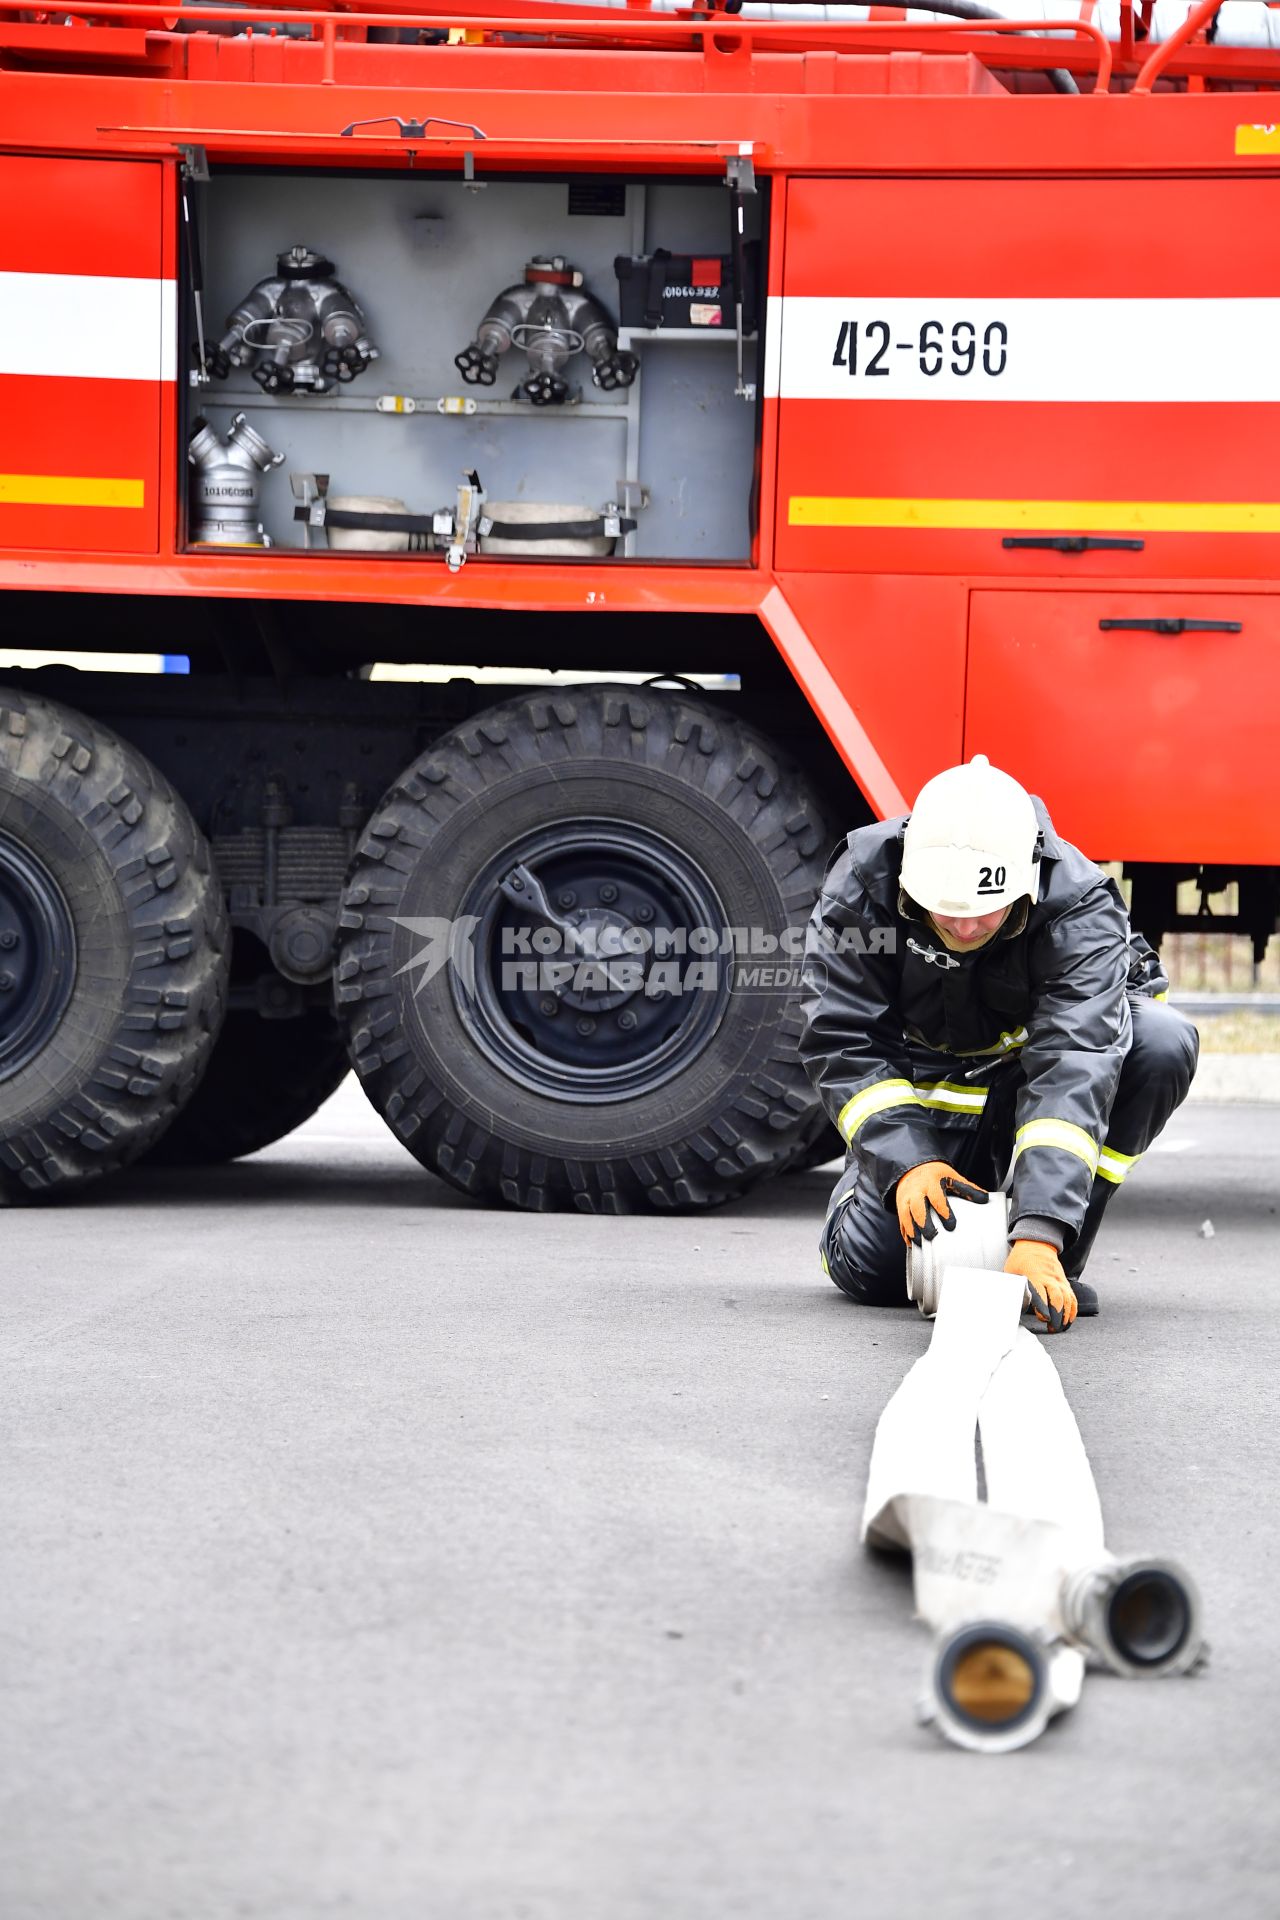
740	173
414	129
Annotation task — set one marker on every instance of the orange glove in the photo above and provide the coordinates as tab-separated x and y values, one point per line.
1051	1295
927	1187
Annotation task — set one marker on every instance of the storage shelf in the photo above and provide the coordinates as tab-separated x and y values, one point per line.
237	400
638	335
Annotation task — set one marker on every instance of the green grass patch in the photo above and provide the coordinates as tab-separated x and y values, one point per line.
1239	1032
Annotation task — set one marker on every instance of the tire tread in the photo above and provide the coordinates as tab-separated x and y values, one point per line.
176	992
768	1115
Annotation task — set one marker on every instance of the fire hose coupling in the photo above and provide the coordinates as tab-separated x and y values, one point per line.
1142	1618
228	478
549	317
298	332
992	1687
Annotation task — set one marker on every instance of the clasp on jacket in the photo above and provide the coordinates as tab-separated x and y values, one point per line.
932	956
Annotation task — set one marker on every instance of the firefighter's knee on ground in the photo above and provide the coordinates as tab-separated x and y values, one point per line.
1167	1048
873	1276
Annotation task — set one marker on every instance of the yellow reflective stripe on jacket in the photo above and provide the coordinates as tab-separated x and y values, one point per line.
1114	1165
1159	996
1063	1134
874	1099
1009	1042
951	1096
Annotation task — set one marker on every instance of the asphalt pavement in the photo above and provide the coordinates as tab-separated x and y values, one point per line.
368	1554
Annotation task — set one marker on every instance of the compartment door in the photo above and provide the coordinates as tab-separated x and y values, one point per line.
86	343
968	360
1146	742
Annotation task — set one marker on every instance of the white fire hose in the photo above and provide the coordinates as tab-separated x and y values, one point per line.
980	1238
1010	1568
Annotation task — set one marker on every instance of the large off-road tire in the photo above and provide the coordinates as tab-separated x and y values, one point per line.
265	1078
631	809
823	1145
113	951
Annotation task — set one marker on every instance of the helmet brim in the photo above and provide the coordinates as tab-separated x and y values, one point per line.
964	881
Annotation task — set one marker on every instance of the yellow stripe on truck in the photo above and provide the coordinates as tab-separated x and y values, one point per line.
1258	139
68	490
1039	516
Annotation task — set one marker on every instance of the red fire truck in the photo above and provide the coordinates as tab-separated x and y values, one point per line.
777	405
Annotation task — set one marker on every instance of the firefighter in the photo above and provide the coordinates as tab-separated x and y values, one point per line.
977	1006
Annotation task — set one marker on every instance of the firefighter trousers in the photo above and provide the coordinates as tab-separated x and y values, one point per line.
862	1249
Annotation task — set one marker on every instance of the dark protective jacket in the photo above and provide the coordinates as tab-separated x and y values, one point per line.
903	1038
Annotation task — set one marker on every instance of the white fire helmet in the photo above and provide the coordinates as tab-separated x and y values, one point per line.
970	843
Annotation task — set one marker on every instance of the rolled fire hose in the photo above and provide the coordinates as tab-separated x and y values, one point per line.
530	526
344	538
980	1238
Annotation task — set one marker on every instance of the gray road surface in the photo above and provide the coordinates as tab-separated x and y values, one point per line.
366	1554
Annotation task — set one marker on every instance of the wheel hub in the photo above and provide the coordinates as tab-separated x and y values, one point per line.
37	956
602	936
583	987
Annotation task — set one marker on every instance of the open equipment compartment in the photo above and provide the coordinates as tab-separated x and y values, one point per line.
652	462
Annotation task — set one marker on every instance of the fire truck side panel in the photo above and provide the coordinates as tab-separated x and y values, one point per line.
86	352
894	647
1155	738
1023	359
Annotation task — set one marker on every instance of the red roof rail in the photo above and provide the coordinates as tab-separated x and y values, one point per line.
1159	60
631	27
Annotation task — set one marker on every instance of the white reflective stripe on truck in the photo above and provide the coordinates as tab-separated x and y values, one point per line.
87	326
869	347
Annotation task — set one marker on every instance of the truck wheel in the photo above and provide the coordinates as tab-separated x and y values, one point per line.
599	821
265	1078
824	1145
113	951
